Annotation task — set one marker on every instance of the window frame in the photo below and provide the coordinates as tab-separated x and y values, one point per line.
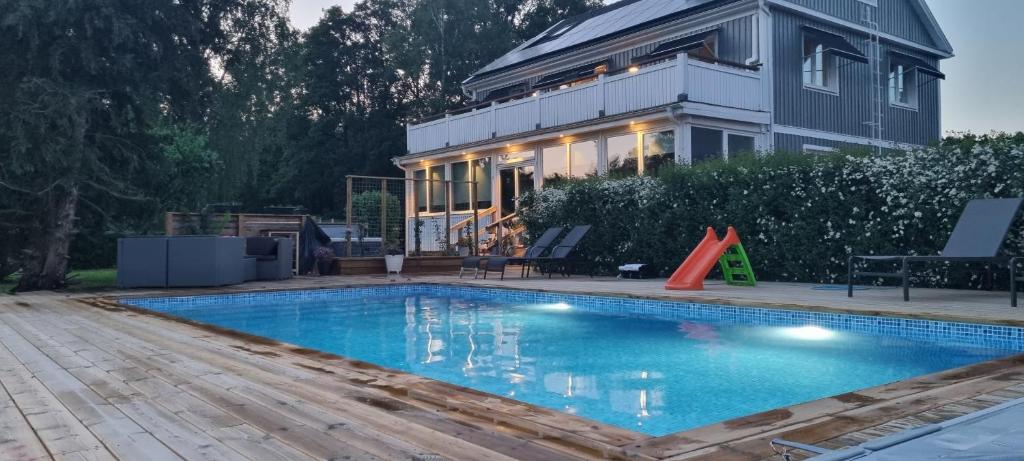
726	132
910	79
830	68
813	149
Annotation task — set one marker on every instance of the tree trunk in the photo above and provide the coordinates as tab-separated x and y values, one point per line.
47	265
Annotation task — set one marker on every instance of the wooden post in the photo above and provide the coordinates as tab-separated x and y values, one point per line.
348	213
169	224
417	232
476	217
447	215
383	212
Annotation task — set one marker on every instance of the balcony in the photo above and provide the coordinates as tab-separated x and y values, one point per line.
652	86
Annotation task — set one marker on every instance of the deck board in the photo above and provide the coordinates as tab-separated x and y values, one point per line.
82	382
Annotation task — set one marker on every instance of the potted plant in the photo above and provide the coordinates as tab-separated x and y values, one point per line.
324	259
394	256
465	243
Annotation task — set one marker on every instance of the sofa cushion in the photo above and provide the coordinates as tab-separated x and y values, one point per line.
261	246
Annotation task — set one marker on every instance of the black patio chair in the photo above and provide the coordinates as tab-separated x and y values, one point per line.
541	246
471	262
561	253
977	238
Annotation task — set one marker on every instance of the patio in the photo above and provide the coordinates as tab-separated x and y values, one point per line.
85	378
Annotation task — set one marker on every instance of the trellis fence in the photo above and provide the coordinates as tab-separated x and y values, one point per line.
412	216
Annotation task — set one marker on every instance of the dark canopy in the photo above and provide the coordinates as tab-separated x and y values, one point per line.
679	45
836	44
916	63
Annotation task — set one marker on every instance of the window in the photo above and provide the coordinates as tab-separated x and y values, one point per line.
659	149
482	176
437	192
819	67
583	158
705	144
818	150
902	85
623	158
460	186
740	145
421	189
555	164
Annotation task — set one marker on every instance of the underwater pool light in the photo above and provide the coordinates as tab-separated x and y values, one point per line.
809	333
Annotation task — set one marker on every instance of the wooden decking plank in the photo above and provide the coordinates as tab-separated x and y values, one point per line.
63	435
433	441
117	431
319	442
178	432
17	439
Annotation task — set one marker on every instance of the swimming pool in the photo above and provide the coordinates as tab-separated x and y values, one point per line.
652	366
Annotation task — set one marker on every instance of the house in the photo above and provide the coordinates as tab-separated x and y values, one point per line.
638	83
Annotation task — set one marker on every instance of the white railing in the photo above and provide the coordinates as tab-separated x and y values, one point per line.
651	86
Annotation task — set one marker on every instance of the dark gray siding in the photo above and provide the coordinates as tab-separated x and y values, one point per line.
734	44
896	17
847	112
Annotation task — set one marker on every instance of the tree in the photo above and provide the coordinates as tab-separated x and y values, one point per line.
81	83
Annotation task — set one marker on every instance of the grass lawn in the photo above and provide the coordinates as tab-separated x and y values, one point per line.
89	280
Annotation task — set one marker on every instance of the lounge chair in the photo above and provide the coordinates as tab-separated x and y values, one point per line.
560	253
470	263
977	238
541	246
995	433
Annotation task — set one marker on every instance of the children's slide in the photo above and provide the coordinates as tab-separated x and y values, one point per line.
691	274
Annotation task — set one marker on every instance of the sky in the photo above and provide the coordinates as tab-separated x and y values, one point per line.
984	87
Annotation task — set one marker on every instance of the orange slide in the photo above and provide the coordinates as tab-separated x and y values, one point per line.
690	275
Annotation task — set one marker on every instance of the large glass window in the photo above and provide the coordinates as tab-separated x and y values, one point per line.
437	194
482	176
659	149
555	166
705	144
818	65
740	145
421	189
584	159
460	186
622	155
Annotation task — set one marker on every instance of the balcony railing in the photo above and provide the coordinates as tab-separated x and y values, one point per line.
651	86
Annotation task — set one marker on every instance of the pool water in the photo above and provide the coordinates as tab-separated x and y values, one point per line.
645	373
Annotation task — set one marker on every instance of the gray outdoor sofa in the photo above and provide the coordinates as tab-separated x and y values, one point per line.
201	261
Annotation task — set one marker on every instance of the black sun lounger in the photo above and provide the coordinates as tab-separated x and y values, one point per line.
977	238
542	245
559	257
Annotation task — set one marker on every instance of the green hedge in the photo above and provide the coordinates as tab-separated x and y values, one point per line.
799	216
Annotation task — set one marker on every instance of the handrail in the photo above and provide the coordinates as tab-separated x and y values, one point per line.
466	222
501	221
532	92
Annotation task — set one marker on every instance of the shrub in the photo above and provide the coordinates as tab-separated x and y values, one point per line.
799	216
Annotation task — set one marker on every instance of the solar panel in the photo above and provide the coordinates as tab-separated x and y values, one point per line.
617	18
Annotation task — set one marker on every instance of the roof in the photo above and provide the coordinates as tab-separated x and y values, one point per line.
934	29
602	24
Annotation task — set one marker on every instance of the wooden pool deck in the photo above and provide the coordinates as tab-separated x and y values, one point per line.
84	378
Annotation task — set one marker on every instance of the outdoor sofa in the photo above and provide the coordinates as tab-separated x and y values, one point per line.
201	261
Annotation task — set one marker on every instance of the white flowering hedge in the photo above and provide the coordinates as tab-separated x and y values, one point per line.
799	216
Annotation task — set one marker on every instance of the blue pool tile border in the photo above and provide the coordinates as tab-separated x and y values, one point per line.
961	333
